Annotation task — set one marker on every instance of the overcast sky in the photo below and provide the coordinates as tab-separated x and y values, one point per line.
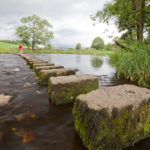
70	19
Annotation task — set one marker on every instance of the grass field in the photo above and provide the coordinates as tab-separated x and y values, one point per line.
8	48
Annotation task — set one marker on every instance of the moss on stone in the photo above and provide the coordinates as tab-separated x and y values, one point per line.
44	75
99	131
66	92
46	67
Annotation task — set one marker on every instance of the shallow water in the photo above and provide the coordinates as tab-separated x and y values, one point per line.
86	64
30	121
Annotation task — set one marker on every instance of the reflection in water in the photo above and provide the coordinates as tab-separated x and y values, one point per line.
83	63
96	62
78	58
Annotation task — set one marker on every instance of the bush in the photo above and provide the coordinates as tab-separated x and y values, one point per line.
48	46
78	46
111	47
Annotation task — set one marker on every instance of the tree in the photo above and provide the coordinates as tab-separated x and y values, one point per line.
34	31
128	15
78	46
98	43
48	46
23	33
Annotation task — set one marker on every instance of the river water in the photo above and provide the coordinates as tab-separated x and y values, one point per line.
30	121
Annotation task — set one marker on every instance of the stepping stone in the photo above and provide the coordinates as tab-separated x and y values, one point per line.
45	74
113	118
26	57
37	62
46	67
42	64
33	60
4	99
65	89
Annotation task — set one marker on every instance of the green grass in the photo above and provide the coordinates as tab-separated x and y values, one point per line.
60	51
8	48
133	65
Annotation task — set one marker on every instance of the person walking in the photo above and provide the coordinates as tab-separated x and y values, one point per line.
20	48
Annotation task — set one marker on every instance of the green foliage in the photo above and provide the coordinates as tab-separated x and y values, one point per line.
78	46
34	31
87	48
98	43
133	65
111	47
48	46
128	15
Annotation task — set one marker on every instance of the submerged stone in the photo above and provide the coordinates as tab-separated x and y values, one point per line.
65	89
48	67
113	118
45	74
4	99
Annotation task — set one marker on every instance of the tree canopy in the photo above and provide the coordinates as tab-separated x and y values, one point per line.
78	46
98	43
128	15
34	31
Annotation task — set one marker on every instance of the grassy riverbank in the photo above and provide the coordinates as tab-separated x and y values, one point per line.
133	65
8	48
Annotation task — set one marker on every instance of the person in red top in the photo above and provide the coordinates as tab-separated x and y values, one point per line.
20	48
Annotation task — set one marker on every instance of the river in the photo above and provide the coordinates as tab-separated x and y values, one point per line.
30	121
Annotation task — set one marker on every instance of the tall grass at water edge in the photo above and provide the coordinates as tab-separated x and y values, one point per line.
133	64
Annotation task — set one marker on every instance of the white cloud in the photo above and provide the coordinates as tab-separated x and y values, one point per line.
70	19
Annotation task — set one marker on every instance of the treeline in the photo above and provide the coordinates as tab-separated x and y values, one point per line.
98	44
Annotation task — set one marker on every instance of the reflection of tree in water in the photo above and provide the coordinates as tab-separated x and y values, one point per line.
96	62
78	59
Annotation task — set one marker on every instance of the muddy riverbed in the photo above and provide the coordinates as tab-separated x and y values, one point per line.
29	121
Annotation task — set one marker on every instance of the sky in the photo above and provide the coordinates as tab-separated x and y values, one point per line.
70	19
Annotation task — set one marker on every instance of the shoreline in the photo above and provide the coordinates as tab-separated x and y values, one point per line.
59	51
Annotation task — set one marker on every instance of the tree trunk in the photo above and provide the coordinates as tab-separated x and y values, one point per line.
33	45
140	14
120	45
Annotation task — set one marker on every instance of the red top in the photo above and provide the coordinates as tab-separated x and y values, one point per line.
20	47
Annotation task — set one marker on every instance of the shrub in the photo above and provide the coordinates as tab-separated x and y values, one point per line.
78	46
